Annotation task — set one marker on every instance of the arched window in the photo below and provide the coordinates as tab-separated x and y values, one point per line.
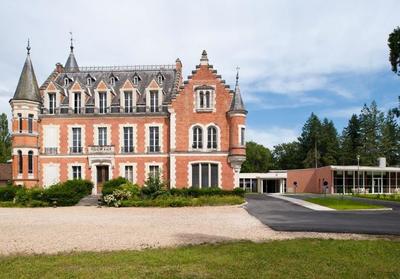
197	138
212	137
89	81
20	162
112	81
135	80
30	162
66	81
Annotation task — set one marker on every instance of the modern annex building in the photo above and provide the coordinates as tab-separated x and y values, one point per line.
99	123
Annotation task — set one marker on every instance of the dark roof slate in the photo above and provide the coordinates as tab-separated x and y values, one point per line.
27	88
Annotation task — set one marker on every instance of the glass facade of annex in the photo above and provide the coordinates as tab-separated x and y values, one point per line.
366	181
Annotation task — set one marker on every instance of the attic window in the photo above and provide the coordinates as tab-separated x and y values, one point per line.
89	81
66	81
160	79
112	81
135	80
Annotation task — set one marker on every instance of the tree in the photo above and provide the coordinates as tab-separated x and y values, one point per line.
5	139
287	156
258	158
390	141
394	57
371	120
309	141
350	142
329	143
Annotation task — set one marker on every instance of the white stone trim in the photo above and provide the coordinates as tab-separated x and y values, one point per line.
83	169
93	166
147	92
147	169
121	136
240	135
97	98
46	101
96	133
172	129
172	171
200	154
71	94
147	134
189	167
83	135
122	97
122	170
196	98
25	151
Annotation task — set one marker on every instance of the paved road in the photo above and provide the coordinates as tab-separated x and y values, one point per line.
282	215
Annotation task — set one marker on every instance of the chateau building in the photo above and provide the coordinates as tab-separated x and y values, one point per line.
99	123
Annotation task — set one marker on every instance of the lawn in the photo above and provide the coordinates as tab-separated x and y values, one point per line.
383	197
342	203
276	259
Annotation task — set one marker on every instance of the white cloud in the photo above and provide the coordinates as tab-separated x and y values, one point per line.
273	136
342	112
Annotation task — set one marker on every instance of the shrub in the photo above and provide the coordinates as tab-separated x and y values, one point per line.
213	191
132	188
8	193
67	193
111	185
154	187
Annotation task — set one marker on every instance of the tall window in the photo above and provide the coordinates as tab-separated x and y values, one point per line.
204	175
112	81
20	162
153	101
102	136
89	81
30	123
30	162
129	173
66	81
135	80
76	140
77	102
20	122
160	79
242	134
76	172
212	137
204	99
154	134
103	102
52	103
128	101
154	171
128	140
197	137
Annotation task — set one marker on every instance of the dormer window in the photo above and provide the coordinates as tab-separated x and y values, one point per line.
66	82
112	81
89	81
160	79
135	80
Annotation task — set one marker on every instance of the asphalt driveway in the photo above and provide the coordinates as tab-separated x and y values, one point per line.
282	215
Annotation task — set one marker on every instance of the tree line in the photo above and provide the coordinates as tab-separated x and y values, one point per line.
369	135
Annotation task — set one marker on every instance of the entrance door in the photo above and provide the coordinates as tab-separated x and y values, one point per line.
377	184
102	176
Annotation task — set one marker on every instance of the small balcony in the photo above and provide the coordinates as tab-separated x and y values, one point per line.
127	149
101	149
76	150
50	150
153	149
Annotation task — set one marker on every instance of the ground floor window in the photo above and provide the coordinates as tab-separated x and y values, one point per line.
248	184
205	175
154	171
76	172
129	173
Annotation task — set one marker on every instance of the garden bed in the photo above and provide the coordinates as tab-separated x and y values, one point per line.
382	197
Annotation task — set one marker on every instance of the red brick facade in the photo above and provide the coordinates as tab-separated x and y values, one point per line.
190	132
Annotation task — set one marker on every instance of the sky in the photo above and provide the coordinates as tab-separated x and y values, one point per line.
295	57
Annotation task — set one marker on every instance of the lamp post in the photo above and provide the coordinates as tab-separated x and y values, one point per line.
358	173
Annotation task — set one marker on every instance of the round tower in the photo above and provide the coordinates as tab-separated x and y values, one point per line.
25	107
237	120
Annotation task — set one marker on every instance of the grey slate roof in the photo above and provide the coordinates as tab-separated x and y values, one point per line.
121	75
27	88
71	65
237	104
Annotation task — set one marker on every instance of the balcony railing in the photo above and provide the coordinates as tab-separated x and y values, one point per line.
76	150
101	149
127	149
50	150
153	149
89	109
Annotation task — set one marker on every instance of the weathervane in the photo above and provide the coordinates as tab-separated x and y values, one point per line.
237	75
72	42
28	47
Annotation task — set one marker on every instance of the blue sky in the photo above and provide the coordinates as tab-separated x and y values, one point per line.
295	57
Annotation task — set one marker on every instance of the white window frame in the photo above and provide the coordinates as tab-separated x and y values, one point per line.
135	80
205	162
129	108
102	136
197	138
128	164
197	99
76	164
52	105
152	164
161	135
77	108
240	132
103	104
96	133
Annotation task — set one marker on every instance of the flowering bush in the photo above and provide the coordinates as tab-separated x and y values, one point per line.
116	197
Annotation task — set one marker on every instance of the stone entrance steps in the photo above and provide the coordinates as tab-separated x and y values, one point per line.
91	200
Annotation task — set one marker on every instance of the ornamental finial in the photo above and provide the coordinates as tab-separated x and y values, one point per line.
72	42
28	47
237	75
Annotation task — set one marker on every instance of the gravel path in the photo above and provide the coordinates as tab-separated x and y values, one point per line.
53	230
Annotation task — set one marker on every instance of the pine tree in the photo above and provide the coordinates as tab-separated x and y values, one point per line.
309	141
329	143
390	142
350	142
5	139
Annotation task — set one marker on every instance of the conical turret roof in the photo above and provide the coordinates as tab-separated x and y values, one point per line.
27	88
71	65
237	104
